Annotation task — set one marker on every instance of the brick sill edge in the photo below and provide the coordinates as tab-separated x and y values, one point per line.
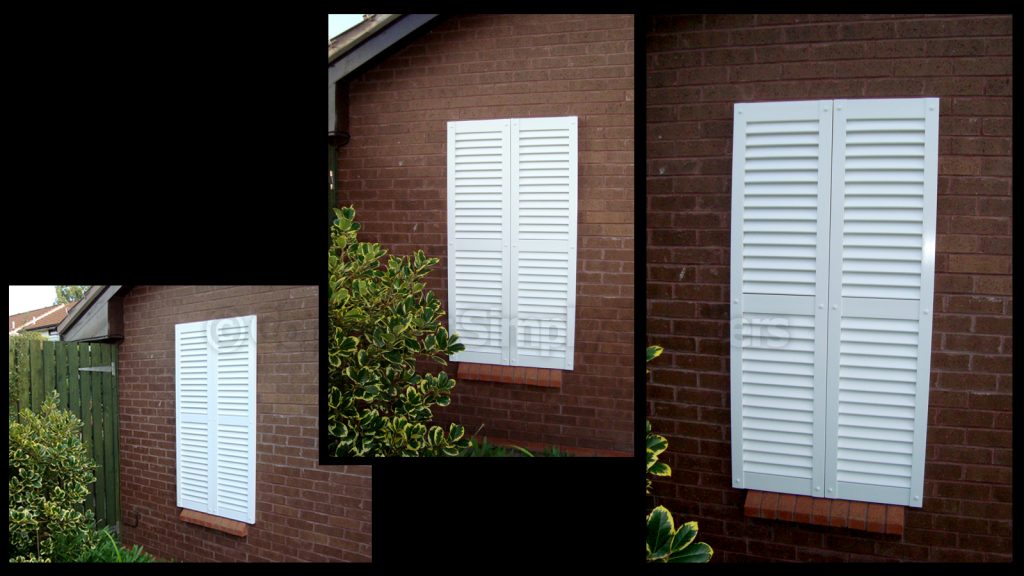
870	517
218	523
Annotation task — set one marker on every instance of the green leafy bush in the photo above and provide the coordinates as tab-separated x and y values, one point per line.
49	477
29	335
655	446
108	549
666	543
380	321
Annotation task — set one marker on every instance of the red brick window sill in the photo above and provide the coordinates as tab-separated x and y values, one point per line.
870	517
545	377
218	523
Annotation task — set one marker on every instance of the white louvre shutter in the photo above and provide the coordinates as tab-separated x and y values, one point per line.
191	393
881	290
779	288
235	347
479	238
216	410
544	200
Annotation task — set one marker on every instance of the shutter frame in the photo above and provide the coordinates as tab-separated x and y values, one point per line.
222	498
515	248
530	244
889	126
876	289
463	247
193	492
805	144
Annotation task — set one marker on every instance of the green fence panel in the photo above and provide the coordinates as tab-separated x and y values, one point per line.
60	373
21	357
37	368
85	380
35	359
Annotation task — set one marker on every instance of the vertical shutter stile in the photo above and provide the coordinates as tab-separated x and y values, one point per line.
479	228
543	255
779	280
881	293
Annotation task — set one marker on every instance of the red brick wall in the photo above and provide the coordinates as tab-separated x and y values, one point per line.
698	67
393	171
304	512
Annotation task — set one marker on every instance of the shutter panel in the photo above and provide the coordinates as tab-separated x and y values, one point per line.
779	288
215	400
478	239
544	200
235	348
881	291
191	393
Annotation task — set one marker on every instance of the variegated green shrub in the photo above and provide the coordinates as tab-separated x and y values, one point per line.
380	321
655	446
50	473
665	542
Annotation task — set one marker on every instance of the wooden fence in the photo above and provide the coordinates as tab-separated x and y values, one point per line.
85	377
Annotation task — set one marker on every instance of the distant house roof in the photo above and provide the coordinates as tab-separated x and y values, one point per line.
38	319
357	46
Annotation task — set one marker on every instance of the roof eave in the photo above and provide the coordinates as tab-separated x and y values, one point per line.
96	301
80	308
369	47
356	35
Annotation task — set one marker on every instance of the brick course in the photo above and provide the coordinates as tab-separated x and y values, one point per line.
697	67
394	172
304	512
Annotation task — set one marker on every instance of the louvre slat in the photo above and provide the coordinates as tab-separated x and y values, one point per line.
774	379
875	479
778	431
757	415
778	458
770	448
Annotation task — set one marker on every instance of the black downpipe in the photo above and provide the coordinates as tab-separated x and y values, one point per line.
335	140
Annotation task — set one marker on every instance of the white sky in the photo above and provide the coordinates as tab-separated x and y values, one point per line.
25	298
338	23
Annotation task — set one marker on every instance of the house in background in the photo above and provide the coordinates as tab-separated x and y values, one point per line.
909	455
218	404
43	320
503	145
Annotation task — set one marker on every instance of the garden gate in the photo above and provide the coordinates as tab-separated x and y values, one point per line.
85	376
